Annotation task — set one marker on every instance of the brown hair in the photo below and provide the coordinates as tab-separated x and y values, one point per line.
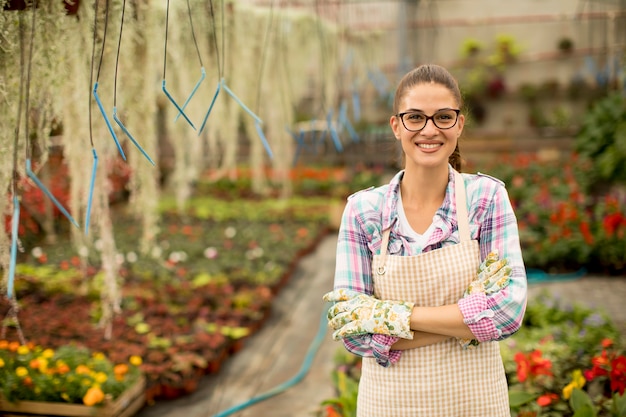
431	73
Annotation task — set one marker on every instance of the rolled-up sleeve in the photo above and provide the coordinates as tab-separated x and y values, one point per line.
499	315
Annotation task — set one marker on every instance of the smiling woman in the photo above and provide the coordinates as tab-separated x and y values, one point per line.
428	326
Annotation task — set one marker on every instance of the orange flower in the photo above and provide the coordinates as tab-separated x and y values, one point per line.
62	368
4	344
120	370
93	396
82	370
34	363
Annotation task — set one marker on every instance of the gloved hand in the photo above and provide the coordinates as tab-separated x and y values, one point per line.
494	274
356	313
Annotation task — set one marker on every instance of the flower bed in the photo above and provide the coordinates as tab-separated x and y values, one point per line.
188	305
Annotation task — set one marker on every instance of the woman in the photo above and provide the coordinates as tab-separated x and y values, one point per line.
425	264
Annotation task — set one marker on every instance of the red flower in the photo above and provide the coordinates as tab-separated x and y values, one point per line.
586	231
618	374
606	342
547	399
331	412
532	365
611	222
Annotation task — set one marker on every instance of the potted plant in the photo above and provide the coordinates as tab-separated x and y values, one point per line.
70	380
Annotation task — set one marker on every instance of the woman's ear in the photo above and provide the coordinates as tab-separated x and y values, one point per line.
461	123
396	126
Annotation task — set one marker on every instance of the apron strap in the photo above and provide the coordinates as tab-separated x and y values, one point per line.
383	252
462	218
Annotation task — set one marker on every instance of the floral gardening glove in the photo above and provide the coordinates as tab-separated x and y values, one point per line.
494	274
355	313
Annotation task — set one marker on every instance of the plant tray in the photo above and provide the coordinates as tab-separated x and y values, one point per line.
126	405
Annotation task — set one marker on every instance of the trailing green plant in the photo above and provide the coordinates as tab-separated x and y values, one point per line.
602	139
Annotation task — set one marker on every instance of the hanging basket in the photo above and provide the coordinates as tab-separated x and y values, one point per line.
126	405
71	6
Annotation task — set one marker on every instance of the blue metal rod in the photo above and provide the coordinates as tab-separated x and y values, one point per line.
181	111
47	192
91	187
266	145
206	116
15	221
125	130
106	120
202	76
243	106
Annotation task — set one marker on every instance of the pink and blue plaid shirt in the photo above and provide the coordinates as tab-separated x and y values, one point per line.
492	222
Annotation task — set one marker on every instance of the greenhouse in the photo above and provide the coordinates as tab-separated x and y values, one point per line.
205	198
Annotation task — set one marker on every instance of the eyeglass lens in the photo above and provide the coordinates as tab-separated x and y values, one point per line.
443	119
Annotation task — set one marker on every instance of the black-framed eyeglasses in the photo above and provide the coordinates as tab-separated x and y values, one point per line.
414	121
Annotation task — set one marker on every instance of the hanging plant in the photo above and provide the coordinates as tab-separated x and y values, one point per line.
565	45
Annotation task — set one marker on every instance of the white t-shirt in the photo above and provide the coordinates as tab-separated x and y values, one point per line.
407	230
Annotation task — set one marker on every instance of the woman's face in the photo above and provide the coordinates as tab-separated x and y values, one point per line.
431	146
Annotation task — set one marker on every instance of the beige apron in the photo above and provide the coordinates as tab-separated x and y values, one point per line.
440	380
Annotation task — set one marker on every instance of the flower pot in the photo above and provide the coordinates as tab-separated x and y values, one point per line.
126	405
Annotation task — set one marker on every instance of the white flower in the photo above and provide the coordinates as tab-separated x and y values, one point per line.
36	252
177	256
156	252
83	251
230	232
210	253
131	257
98	244
119	258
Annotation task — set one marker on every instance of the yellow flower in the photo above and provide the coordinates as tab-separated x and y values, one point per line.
48	353
99	356
101	377
135	360
93	396
21	371
578	381
1	363
43	364
23	350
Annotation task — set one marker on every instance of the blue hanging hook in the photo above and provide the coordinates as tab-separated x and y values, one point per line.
91	187
180	110
15	221
106	119
193	92
125	130
206	116
43	188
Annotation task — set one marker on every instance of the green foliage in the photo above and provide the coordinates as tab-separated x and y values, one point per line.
602	139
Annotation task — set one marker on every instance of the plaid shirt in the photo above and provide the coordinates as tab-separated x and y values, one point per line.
492	222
